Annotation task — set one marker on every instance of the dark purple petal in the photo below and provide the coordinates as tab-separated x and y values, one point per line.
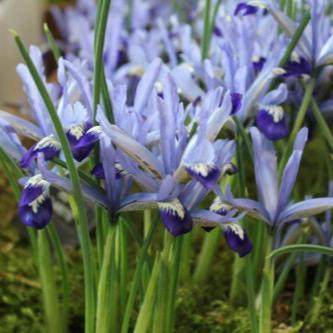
219	207
175	217
258	64
82	145
98	171
38	219
49	146
273	126
237	239
207	175
236	101
244	9
29	194
217	31
28	157
297	68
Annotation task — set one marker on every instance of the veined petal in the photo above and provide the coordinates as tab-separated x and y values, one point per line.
304	209
138	201
210	219
291	169
131	147
265	172
22	126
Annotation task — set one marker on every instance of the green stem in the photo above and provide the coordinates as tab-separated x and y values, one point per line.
123	265
206	38
53	234
315	309
84	236
102	18
251	295
187	256
322	124
136	279
266	292
281	281
176	257
244	136
299	289
144	319
298	123
53	45
50	296
103	315
206	256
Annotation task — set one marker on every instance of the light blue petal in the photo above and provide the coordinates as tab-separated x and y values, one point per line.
304	209
291	169
91	193
131	147
146	85
23	126
277	96
265	172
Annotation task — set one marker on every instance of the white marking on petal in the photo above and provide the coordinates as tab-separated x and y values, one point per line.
159	86
276	111
120	169
97	130
219	205
236	229
255	58
173	207
77	131
48	141
38	181
295	57
189	67
278	71
137	71
257	3
202	168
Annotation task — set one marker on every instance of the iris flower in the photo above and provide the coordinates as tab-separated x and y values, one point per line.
274	206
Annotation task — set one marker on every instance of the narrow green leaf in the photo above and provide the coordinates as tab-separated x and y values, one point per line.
324	250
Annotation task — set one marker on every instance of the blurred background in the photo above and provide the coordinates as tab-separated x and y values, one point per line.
26	17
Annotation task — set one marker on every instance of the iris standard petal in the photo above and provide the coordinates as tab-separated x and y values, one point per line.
265	172
292	167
